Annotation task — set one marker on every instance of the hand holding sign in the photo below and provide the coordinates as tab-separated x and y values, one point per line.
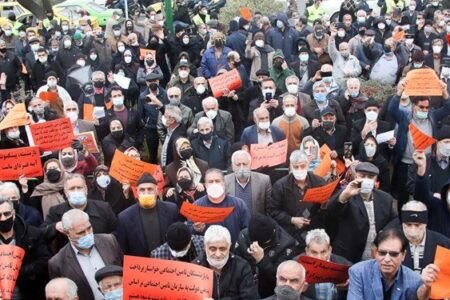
10	263
320	194
439	288
423	82
202	214
268	155
230	80
421	141
325	162
319	271
52	135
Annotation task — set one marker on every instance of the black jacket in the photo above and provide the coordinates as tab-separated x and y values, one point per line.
11	66
218	155
322	137
110	144
235	282
355	136
66	57
113	195
134	127
180	131
39	70
194	101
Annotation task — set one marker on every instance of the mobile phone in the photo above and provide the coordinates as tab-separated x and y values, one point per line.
348	146
268	96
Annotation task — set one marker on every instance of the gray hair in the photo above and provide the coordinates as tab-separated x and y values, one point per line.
255	112
98	73
217	233
290	77
6	186
298	156
71	176
292	264
71	216
210	99
240	152
205	121
72	289
317	235
318	84
414	205
289	96
174	112
70	103
354	81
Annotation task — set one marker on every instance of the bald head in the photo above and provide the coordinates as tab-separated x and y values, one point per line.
291	273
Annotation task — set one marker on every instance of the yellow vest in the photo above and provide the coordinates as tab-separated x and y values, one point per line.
198	20
315	13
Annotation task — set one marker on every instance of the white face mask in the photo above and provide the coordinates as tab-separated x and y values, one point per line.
81	62
371	115
381	26
370	150
121	49
164	121
367	186
448	199
127	59
103	181
183	74
73	116
117	101
341	33
93	56
292	89
303	57
290	112
181	253
259	43
413	235
215	263
264	125
215	190
67	43
437	49
52	83
200	89
412	8
445	150
43	60
35	47
117	33
13	134
300	174
211	114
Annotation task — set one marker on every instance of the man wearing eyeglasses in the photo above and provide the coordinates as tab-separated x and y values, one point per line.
15	232
385	277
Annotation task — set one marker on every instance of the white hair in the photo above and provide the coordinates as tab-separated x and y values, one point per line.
318	84
72	216
174	112
240	152
205	121
414	205
217	233
298	156
290	77
70	103
98	74
354	81
71	291
6	186
210	99
292	264
317	235
255	112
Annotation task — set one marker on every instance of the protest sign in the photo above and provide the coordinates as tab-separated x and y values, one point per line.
421	141
422	82
20	161
325	161
88	112
230	80
319	271
320	194
48	96
88	141
440	288
246	13
268	155
203	214
125	168
385	136
52	135
16	117
150	278
10	262
143	53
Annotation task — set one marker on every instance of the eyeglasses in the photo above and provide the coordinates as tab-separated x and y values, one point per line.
391	253
6	214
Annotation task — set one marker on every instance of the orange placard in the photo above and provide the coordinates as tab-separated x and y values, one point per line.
421	141
88	141
108	105
143	53
440	288
204	214
320	194
48	96
230	80
11	258
325	161
340	166
16	117
268	155
88	112
399	35
52	135
319	271
245	13
151	278
126	168
422	82
20	161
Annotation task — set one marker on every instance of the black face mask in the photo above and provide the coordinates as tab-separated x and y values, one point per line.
153	86
3	50
16	205
99	84
68	161
218	43
149	62
206	136
117	135
53	175
327	125
185	184
277	64
186	153
6	225
50	17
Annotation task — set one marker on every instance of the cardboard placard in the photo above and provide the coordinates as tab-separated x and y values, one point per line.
246	13
48	96
319	271
88	112
422	82
230	80
421	141
88	141
440	288
125	168
320	194
268	155
20	161
11	258
325	161
143	53
203	214
16	117
52	135
150	278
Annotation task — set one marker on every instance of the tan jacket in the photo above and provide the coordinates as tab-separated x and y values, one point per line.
323	43
254	54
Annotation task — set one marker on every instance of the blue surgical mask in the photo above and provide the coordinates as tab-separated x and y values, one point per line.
86	242
327	79
354	94
422	115
114	295
417	65
280	24
320	97
77	198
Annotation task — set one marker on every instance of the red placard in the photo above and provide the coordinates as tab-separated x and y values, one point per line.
268	155
10	262
52	135
48	96
204	214
320	194
150	278
319	271
88	141
20	161
230	80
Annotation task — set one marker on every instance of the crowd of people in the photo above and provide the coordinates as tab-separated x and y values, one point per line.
302	80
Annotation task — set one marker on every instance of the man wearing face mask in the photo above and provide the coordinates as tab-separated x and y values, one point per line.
261	132
357	230
194	97
434	59
109	279
42	66
422	241
318	42
170	128
142	227
85	253
280	70
11	66
385	69
79	125
266	97
425	37
40	112
183	81
291	282
11	138
345	65
33	272
368	51
67	54
287	206
283	37
417	59
181	245
306	67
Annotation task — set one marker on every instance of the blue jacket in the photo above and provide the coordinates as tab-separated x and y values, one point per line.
285	40
209	63
250	134
402	119
149	113
236	41
366	282
30	215
217	156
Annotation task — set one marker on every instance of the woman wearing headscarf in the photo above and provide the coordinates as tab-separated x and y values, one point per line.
149	66
95	61
116	139
117	57
183	156
312	149
76	159
51	190
162	49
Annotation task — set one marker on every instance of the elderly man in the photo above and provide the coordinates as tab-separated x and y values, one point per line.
109	279
290	281
361	211
174	128
252	187
40	111
216	197
222	120
385	68
422	242
261	132
54	85
292	85
194	97
61	289
174	95
233	277
84	255
352	102
287	206
266	97
79	125
143	226
208	146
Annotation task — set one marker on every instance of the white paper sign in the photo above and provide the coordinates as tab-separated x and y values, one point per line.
122	81
385	136
99	112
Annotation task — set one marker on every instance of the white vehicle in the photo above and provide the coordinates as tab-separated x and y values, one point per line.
332	7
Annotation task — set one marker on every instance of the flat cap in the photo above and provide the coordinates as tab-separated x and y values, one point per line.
107	271
328	111
367	167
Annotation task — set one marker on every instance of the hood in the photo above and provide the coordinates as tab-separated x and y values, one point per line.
234	26
278	53
445	190
283	17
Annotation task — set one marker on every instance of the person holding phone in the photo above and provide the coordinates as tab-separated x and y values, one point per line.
268	99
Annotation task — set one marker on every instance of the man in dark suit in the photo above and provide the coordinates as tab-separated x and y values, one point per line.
422	242
262	132
79	126
84	255
172	120
143	226
361	211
